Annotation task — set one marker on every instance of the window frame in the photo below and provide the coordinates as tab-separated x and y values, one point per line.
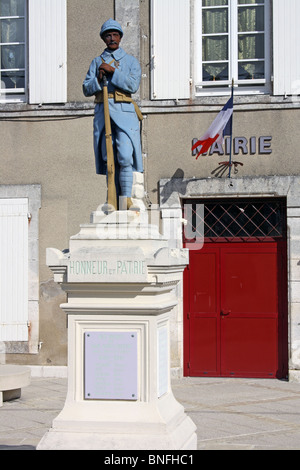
205	88
17	95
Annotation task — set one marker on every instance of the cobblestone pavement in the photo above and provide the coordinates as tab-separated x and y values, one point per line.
230	414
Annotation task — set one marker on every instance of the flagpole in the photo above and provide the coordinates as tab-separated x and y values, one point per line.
230	156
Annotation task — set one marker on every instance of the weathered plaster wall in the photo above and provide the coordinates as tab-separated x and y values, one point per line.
169	142
58	155
84	43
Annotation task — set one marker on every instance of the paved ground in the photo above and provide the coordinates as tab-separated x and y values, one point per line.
230	414
242	414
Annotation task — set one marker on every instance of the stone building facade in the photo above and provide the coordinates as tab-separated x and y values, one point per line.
47	164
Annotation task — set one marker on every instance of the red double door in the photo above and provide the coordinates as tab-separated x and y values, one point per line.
235	311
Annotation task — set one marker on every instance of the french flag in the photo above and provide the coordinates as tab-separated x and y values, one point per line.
221	126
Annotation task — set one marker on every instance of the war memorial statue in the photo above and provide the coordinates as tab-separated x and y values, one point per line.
113	77
120	276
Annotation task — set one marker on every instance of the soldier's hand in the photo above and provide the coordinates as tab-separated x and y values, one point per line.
106	69
100	76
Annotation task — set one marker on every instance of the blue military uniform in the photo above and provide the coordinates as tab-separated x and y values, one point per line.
124	119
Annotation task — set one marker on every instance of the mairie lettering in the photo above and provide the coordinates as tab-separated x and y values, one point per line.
240	145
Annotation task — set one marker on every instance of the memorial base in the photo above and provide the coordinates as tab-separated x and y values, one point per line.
120	276
162	426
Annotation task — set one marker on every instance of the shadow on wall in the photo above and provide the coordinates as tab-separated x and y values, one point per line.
176	183
224	167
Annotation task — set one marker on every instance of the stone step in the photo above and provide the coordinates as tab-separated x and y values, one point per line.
12	380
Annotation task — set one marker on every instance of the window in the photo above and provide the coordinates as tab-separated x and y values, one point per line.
234	43
13	50
29	54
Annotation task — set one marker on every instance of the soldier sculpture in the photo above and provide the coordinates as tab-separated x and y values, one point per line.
116	75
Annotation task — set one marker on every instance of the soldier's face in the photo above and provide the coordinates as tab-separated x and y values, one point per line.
112	39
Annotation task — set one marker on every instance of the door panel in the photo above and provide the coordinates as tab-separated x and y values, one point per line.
249	347
249	289
204	282
204	312
204	347
232	311
249	279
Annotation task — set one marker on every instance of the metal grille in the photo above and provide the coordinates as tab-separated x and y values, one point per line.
235	220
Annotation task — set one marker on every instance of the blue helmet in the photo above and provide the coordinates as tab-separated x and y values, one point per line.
111	25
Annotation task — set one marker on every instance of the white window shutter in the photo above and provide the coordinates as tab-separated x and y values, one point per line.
170	49
14	270
286	34
47	51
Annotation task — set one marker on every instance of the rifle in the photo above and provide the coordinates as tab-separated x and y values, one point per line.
111	184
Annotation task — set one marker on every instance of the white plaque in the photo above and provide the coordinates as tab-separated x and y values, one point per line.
110	365
163	363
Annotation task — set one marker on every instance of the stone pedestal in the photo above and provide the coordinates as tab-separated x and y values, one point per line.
120	277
